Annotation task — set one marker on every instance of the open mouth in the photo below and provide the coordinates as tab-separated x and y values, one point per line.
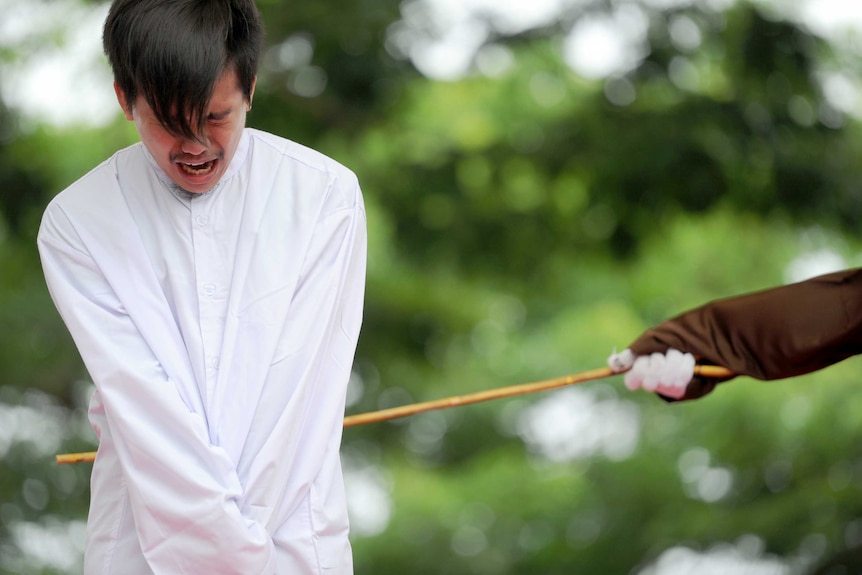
199	169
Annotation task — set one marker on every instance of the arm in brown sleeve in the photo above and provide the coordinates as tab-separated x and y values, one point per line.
771	334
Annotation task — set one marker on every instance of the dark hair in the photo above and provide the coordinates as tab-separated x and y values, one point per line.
174	51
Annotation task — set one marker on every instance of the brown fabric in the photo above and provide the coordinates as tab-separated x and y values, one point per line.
771	334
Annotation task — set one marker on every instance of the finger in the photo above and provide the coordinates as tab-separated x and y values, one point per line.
654	374
635	376
677	373
671	391
621	361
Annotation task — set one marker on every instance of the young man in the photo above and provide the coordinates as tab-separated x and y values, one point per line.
771	334
212	278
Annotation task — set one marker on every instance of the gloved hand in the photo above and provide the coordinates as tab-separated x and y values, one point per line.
667	374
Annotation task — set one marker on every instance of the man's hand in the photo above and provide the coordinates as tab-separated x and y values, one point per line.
667	374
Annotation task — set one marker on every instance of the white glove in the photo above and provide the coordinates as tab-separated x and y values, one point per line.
665	373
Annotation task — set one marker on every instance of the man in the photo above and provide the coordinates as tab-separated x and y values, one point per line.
212	278
771	334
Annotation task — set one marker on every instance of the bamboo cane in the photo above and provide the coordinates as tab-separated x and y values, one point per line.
458	400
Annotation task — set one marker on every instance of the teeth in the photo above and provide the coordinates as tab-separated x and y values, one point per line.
197	169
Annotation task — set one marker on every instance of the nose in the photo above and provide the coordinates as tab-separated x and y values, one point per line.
193	147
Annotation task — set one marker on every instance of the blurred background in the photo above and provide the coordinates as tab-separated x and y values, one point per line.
544	180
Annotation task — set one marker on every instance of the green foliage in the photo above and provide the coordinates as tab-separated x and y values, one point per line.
521	226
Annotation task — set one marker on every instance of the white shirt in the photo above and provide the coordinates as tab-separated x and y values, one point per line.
220	333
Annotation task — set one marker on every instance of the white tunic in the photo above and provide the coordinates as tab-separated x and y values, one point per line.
220	334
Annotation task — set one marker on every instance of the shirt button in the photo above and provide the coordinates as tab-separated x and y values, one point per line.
209	289
214	362
201	220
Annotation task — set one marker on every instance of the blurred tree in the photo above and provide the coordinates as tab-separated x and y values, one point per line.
326	68
22	189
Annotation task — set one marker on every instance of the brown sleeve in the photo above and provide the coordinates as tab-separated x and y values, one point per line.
771	334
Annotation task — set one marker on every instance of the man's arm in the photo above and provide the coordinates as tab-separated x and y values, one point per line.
772	334
183	489
325	314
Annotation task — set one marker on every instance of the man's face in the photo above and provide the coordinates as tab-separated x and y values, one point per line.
194	166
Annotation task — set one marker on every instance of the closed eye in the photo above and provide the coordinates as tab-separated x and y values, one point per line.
219	117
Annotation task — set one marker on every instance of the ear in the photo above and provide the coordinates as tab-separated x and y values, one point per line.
251	93
124	103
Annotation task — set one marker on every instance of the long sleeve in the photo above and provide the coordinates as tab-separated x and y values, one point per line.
308	378
183	489
771	334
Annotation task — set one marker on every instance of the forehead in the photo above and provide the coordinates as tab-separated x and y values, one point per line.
227	88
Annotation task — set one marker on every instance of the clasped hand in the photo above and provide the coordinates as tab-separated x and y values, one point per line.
667	374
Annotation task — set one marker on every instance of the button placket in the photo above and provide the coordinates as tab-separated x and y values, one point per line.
208	275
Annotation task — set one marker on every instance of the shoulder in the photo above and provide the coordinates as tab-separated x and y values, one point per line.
275	151
94	195
99	181
288	150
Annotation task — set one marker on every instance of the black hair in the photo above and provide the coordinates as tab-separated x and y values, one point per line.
172	52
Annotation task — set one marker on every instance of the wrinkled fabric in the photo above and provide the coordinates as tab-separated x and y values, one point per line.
771	334
219	332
